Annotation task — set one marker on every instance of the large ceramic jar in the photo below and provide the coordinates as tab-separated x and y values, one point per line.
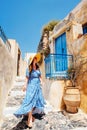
72	99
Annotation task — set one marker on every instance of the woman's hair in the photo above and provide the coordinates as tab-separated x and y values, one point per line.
31	67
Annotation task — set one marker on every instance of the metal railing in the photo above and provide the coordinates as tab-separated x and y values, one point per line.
56	65
4	38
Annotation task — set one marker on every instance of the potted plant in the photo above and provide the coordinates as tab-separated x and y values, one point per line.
75	75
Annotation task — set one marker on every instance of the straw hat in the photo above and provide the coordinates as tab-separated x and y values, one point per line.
38	56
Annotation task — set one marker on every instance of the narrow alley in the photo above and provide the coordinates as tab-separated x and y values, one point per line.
44	42
52	120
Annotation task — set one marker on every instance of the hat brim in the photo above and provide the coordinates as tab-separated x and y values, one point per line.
38	56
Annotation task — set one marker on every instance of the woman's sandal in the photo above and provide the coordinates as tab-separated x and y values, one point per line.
29	124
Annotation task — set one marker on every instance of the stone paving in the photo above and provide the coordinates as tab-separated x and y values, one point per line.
51	120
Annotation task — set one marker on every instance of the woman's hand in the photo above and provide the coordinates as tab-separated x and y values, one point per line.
41	82
24	88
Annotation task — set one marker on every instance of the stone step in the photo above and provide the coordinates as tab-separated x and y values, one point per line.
18	84
17	93
15	97
81	128
8	111
20	78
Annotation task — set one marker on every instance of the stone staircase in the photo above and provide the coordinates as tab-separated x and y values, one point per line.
52	120
15	97
14	100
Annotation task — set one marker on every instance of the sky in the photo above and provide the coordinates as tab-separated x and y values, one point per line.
23	20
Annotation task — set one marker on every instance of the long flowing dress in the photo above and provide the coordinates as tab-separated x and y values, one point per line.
34	97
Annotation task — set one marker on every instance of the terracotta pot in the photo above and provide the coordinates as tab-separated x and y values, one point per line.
72	99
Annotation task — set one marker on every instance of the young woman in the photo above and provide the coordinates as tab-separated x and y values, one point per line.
33	98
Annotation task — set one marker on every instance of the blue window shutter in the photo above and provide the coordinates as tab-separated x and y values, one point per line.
63	42
60	48
58	45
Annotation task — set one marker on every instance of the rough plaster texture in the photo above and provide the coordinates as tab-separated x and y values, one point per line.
7	74
14	51
56	94
22	68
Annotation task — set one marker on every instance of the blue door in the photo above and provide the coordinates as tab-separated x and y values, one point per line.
61	51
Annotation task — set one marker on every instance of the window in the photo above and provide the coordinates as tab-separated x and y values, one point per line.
85	28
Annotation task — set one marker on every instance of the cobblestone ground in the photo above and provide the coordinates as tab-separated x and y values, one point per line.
52	120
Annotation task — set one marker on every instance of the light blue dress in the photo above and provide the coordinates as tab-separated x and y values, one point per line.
34	96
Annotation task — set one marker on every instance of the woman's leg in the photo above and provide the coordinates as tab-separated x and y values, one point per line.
33	118
30	119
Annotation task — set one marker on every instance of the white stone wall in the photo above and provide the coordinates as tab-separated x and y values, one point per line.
14	51
7	74
22	68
